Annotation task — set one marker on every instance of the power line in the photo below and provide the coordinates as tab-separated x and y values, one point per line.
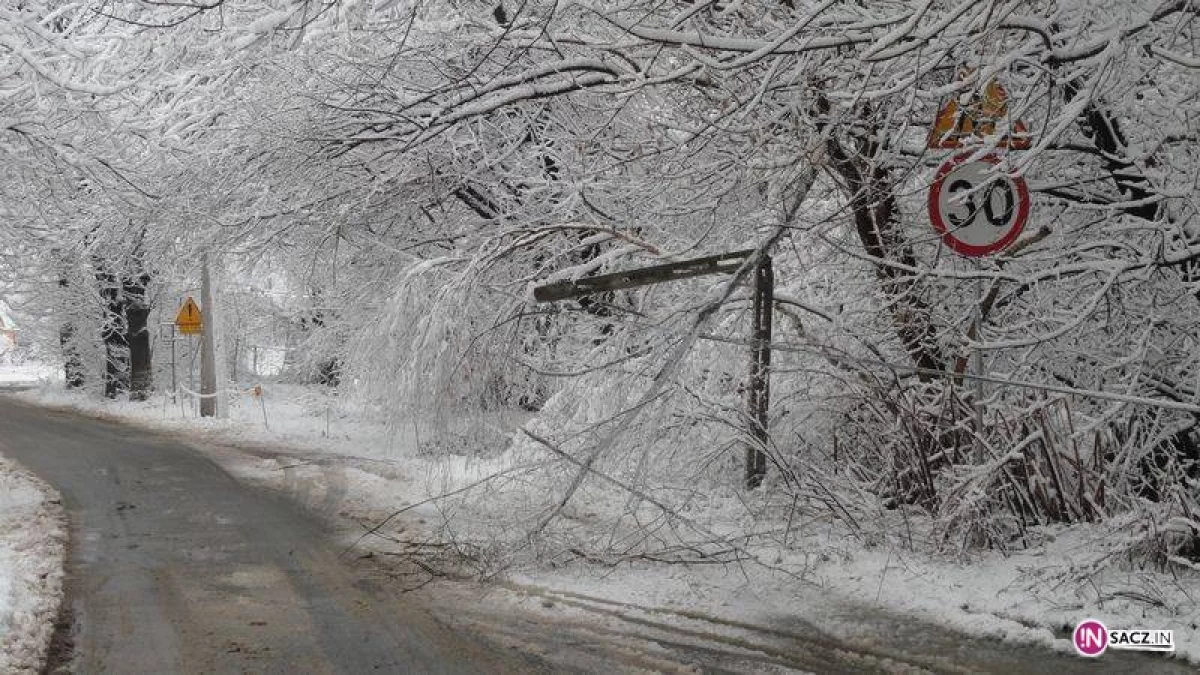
931	372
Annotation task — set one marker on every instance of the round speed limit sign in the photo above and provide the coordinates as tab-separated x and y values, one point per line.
977	208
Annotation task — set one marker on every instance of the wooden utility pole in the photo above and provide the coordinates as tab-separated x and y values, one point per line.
758	388
208	359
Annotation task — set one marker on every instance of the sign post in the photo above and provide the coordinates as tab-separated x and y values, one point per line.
977	206
188	321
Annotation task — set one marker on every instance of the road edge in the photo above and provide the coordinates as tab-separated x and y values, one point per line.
44	530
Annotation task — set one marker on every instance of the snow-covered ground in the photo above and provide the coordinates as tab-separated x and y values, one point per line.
33	540
341	463
26	373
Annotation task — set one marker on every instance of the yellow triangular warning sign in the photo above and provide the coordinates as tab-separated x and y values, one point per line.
189	320
957	124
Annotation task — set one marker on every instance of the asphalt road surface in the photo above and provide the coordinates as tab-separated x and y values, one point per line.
176	567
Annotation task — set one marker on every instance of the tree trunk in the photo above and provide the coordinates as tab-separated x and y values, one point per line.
72	360
1103	129
113	332
873	203
137	336
876	216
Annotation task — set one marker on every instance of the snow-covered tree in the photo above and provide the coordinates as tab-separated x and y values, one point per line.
539	131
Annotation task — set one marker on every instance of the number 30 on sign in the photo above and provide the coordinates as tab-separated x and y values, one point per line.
977	207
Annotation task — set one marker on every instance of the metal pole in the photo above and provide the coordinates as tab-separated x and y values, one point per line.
191	365
758	393
174	377
977	367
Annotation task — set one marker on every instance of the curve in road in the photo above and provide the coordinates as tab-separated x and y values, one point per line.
177	567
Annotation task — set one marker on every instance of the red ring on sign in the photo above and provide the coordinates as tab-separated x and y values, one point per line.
958	245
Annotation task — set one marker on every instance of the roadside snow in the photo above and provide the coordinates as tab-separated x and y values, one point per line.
338	462
33	536
25	373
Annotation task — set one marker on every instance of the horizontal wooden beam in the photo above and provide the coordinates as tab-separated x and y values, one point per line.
645	276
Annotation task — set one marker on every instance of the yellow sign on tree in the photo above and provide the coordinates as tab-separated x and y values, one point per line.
957	123
189	320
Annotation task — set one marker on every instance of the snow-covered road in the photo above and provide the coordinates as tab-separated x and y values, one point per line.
179	567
